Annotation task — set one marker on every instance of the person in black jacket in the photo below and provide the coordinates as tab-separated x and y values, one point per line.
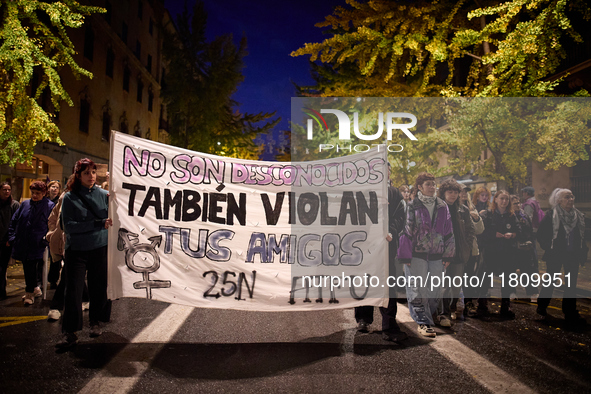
502	231
8	207
464	234
364	314
562	236
26	235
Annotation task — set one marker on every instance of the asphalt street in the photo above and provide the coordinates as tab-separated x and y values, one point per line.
154	347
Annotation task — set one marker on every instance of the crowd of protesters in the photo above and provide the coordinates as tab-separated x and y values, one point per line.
447	231
431	231
73	226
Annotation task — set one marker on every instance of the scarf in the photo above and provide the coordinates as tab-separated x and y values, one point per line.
426	200
569	220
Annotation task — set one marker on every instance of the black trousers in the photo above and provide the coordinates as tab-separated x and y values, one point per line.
33	270
569	298
5	252
54	270
388	313
59	296
78	263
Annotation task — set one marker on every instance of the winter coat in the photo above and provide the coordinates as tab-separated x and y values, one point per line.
55	235
500	254
85	231
7	210
464	234
555	251
28	228
396	216
425	237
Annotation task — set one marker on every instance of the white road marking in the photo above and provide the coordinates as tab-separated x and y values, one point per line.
483	371
133	361
348	342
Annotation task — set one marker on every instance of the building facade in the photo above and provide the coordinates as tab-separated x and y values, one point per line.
123	50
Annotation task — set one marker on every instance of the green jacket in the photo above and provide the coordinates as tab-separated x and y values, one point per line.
85	228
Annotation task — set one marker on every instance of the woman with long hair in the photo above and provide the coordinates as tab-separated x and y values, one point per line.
55	266
57	241
527	260
481	199
426	247
562	236
501	233
85	221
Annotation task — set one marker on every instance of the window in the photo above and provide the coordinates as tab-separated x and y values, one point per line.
89	42
138	49
84	115
123	126
137	130
149	65
150	100
140	90
126	77
140	9
110	62
106	125
124	32
151	27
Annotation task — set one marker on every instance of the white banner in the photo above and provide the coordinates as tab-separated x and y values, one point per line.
215	232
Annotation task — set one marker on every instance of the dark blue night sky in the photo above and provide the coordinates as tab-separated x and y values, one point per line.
273	30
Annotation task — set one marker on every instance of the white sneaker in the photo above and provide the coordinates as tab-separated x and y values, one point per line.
37	292
426	331
534	298
54	314
85	306
29	299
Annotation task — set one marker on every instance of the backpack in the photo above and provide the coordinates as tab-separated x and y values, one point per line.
538	214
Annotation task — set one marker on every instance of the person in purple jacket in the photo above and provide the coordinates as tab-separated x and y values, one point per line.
26	235
427	246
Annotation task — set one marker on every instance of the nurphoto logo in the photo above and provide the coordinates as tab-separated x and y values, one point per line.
345	128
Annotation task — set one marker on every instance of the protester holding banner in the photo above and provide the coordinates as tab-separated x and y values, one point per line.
57	243
427	245
27	237
85	220
364	314
8	207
